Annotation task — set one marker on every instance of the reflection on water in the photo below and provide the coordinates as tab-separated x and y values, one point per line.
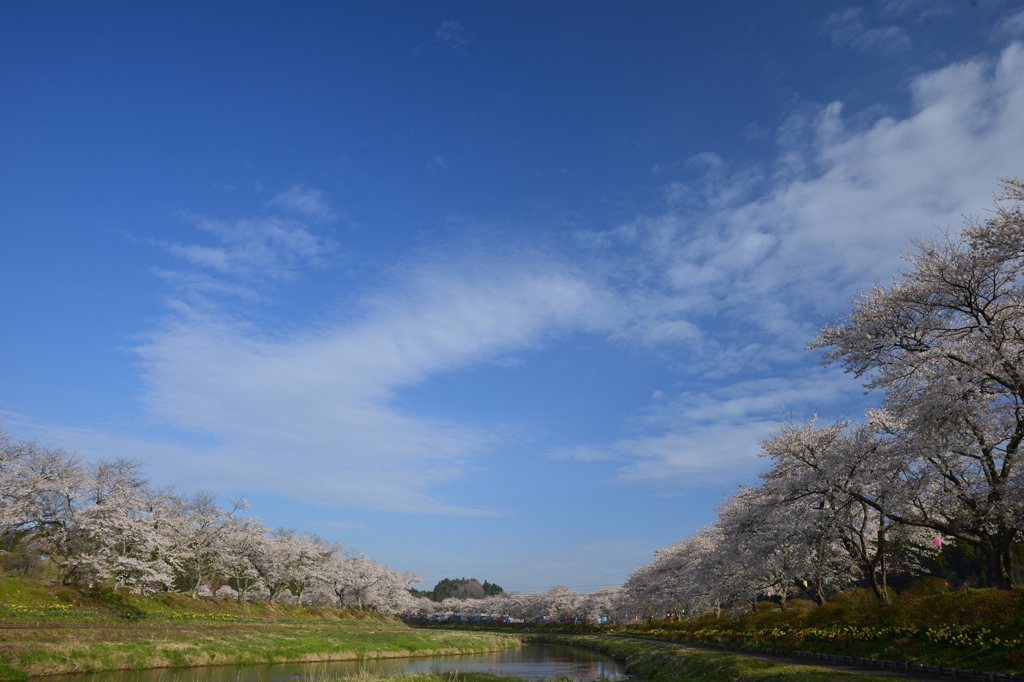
530	661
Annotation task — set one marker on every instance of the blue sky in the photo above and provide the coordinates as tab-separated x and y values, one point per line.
504	290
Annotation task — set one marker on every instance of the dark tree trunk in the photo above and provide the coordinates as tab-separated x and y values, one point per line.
883	566
999	558
819	592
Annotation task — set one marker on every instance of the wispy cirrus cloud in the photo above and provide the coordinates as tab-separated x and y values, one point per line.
437	164
919	9
842	202
307	202
713	437
1010	27
452	34
253	248
846	28
755	262
314	413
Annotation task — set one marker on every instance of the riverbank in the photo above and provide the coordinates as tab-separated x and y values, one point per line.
978	629
667	662
48	649
927	624
47	630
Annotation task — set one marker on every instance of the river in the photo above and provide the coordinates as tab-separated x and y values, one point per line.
530	662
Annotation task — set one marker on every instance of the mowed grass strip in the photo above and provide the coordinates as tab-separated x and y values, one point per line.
664	662
48	651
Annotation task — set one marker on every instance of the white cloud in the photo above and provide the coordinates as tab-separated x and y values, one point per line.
846	28
882	40
452	34
437	164
844	201
1010	26
307	202
265	247
713	437
921	8
314	413
755	277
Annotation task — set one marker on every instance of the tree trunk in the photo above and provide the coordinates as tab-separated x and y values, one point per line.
819	592
883	572
880	566
1006	570
877	579
999	557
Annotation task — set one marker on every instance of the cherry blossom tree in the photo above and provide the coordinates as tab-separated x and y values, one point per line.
311	555
274	558
200	524
239	550
17	491
850	482
773	546
945	342
124	528
44	497
688	577
600	603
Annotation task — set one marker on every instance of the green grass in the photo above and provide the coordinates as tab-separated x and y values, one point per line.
56	629
9	673
980	629
60	649
25	592
51	650
666	662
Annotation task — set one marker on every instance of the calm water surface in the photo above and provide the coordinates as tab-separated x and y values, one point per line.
530	661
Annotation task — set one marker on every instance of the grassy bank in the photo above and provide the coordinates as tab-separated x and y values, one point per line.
667	662
46	630
51	649
980	629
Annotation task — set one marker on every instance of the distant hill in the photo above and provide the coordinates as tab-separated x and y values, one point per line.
460	588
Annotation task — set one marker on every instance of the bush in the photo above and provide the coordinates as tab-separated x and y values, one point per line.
923	587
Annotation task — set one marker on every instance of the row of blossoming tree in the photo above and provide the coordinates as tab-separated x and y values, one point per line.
557	603
101	523
938	461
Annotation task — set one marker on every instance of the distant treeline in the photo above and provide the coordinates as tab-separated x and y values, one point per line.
459	588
